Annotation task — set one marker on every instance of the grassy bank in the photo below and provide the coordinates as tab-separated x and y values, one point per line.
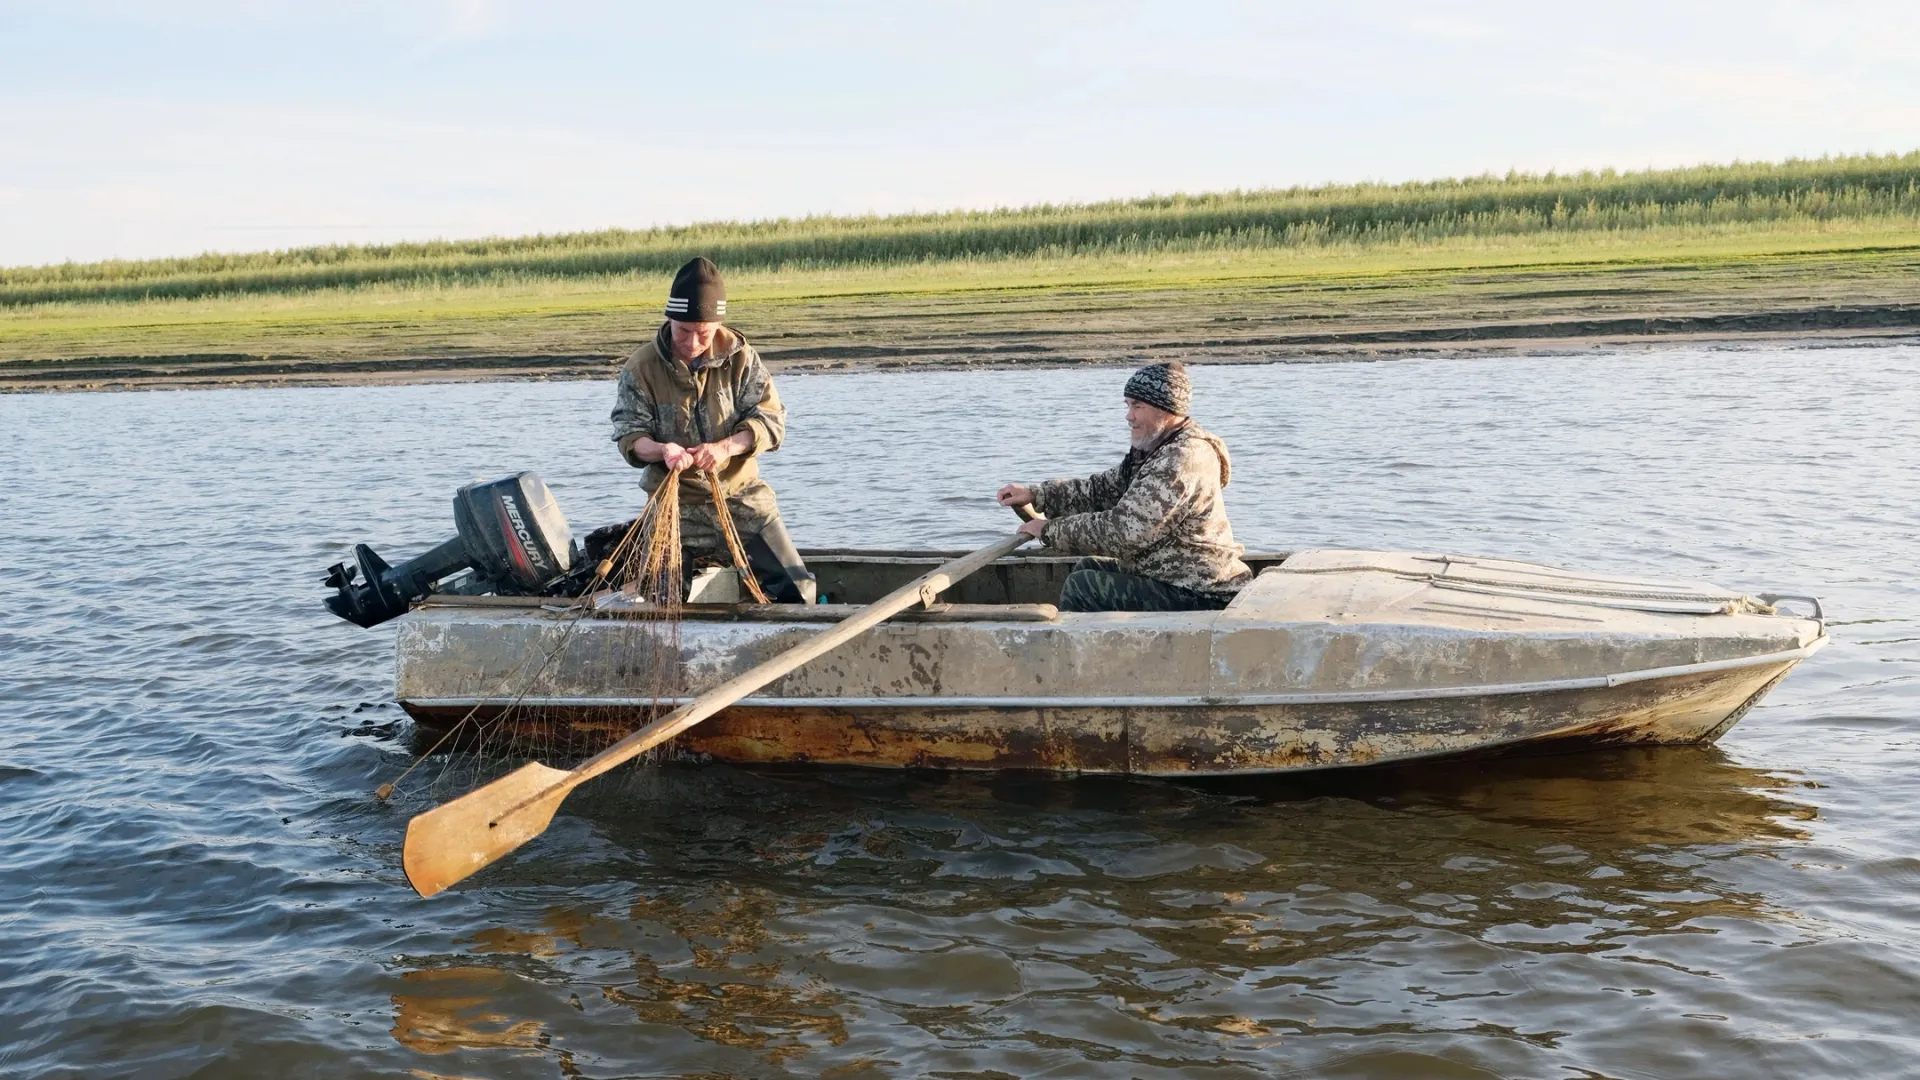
1801	247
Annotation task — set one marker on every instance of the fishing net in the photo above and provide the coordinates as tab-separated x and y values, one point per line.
734	547
622	629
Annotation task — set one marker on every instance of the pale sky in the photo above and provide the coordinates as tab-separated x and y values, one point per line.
143	129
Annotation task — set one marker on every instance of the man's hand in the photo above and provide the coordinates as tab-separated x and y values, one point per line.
712	456
675	457
1015	495
1032	528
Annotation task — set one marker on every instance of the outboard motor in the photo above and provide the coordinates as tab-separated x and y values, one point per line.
511	535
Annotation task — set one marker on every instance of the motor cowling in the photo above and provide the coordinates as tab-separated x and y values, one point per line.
510	533
513	531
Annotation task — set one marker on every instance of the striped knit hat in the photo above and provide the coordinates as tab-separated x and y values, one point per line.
698	294
1163	386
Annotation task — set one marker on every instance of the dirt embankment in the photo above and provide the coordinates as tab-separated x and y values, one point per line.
1050	347
1551	310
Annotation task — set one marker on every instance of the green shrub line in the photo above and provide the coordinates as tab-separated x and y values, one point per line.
1795	192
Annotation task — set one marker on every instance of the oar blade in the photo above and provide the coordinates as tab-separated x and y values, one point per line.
457	839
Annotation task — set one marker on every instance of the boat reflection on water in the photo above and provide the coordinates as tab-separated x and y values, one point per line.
458	1008
1627	795
712	986
1231	908
729	993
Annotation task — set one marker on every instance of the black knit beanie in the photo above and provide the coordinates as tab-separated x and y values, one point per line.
1163	386
698	294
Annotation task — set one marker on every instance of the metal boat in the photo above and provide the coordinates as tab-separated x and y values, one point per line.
1329	658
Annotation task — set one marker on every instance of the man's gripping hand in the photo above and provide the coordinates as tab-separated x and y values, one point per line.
675	457
1015	495
714	456
711	456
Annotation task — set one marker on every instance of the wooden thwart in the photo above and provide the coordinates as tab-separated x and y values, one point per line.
833	613
457	839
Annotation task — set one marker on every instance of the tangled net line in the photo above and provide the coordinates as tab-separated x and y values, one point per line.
651	557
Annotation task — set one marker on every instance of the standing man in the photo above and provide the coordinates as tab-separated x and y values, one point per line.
1153	526
696	399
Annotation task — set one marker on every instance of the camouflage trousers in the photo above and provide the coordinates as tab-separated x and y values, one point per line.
1100	585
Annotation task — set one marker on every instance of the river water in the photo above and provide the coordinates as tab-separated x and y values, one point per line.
195	881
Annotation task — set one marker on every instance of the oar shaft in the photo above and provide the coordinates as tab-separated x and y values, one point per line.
920	590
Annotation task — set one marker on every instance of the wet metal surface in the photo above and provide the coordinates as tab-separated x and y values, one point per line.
194	881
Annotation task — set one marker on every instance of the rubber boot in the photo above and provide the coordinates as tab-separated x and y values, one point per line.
777	548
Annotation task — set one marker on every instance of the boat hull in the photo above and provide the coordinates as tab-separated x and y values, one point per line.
1328	660
1153	740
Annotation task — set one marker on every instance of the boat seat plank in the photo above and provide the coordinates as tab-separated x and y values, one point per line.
827	613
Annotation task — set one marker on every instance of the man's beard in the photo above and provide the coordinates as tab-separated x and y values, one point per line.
1145	442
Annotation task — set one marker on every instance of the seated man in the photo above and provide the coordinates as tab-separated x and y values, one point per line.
696	400
1154	521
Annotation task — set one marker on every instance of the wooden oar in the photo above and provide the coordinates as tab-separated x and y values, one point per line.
456	839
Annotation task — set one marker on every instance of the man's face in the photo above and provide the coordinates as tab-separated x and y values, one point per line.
1145	422
691	339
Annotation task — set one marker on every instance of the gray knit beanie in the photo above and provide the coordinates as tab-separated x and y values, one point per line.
1163	386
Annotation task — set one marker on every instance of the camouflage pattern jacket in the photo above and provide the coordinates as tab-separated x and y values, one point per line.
1158	512
662	398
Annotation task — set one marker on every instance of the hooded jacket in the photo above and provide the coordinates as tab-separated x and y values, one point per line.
1158	512
661	397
